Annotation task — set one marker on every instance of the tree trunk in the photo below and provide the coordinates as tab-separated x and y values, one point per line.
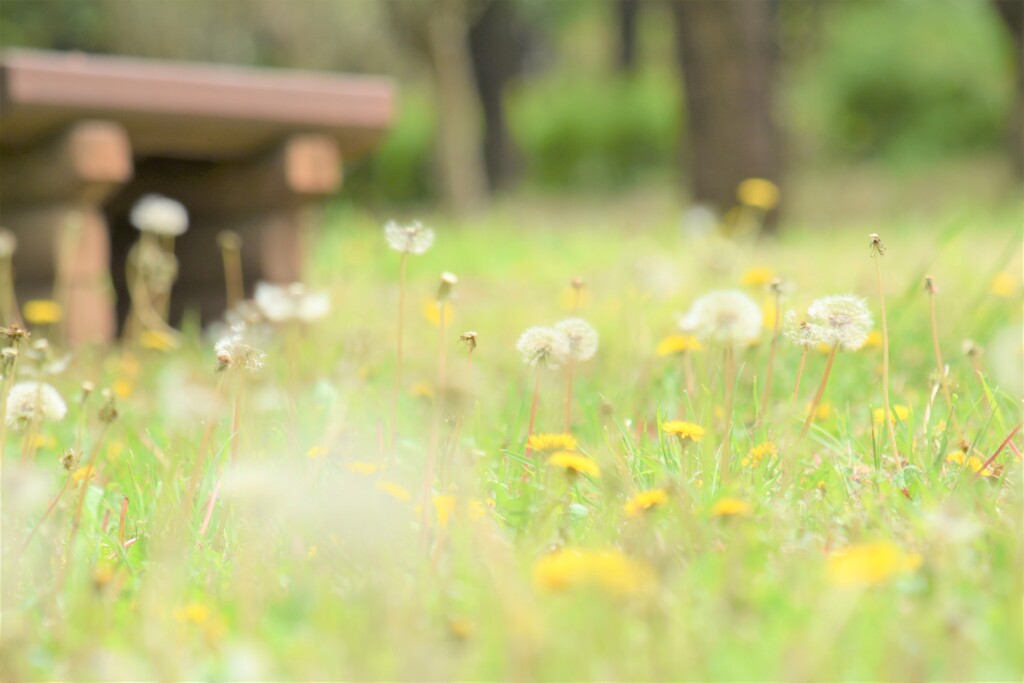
626	12
1012	14
728	57
498	41
458	126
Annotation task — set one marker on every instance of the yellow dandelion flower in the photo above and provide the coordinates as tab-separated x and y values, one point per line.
824	411
572	298
768	312
43	441
824	349
759	452
157	340
1003	285
760	193
608	570
644	501
551	442
575	463
974	464
757	276
899	414
477	509
686	431
731	507
87	473
316	452
311	553
422	390
123	388
870	564
874	340
678	343
43	312
394	490
444	506
432	313
192	613
360	467
460	628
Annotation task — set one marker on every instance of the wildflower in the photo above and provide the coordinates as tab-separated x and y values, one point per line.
727	317
409	239
757	276
686	431
758	192
870	564
608	570
30	402
551	442
432	312
43	311
394	490
898	414
360	467
422	390
192	613
582	338
444	506
1003	285
316	452
970	348
973	463
644	501
840	321
233	352
575	463
157	340
543	347
730	507
874	340
87	473
758	453
823	411
678	343
285	303
159	215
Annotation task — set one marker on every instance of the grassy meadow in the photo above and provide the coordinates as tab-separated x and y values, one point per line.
280	524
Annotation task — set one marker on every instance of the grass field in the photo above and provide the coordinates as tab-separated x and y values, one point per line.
278	525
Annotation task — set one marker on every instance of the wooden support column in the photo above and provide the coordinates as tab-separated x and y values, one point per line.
51	197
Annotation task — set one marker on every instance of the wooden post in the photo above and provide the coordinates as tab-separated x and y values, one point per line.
51	194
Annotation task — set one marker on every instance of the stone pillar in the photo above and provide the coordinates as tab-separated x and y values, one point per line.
51	197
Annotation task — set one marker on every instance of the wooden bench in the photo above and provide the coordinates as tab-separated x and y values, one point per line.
82	137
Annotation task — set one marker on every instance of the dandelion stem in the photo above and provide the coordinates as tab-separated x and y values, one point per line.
398	345
49	509
943	383
799	373
730	379
231	254
568	394
890	428
771	360
691	385
533	411
821	392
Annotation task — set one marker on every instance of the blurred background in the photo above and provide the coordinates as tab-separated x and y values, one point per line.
836	102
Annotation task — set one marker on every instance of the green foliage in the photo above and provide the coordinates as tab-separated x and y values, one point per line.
596	131
905	81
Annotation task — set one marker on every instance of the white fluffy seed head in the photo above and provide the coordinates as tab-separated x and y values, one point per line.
234	352
408	239
800	332
727	317
543	347
582	338
285	303
159	215
34	402
843	321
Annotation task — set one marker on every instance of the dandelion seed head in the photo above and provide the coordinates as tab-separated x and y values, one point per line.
159	215
582	338
233	351
34	401
409	239
727	317
293	302
543	347
843	321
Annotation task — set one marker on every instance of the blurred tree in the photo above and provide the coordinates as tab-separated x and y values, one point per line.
439	31
1012	14
728	58
499	40
626	12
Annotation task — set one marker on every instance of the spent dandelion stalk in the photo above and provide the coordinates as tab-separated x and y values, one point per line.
583	341
943	377
840	322
776	291
444	292
877	251
405	239
541	348
230	243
